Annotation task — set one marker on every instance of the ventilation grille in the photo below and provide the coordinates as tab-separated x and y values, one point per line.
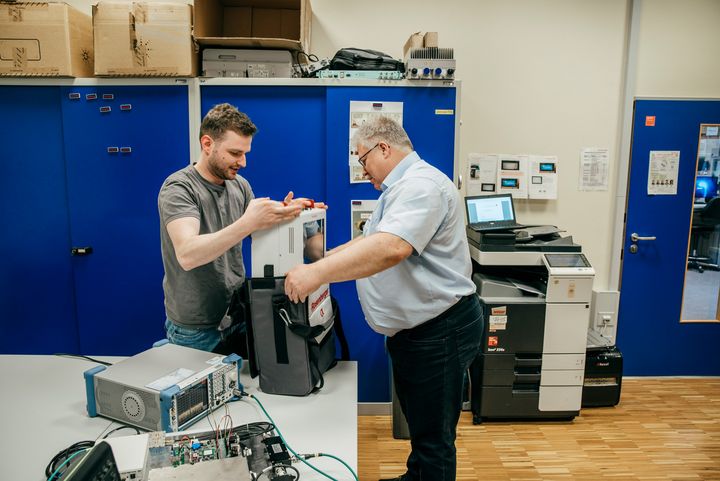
126	404
432	53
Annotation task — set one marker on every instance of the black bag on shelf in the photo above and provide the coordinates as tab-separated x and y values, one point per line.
359	59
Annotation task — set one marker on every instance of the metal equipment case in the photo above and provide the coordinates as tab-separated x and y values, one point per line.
166	388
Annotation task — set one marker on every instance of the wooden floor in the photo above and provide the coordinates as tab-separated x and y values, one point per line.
663	429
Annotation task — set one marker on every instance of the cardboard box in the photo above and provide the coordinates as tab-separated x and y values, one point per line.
144	39
45	39
430	39
414	41
280	24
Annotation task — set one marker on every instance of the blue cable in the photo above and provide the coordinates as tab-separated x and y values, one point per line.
64	463
341	461
296	454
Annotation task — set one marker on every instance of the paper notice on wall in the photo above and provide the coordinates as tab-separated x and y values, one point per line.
361	112
482	174
663	169
594	169
360	213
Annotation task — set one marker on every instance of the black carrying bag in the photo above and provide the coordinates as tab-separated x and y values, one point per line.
359	59
288	354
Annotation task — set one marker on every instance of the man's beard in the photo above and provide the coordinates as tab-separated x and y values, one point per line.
216	170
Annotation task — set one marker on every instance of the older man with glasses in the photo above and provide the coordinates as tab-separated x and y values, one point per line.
412	267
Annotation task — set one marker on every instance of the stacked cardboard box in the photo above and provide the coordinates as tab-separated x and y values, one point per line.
45	39
144	39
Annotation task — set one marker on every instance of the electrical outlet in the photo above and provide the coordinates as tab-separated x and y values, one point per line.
605	319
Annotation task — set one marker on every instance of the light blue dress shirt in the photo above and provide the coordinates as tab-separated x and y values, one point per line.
422	206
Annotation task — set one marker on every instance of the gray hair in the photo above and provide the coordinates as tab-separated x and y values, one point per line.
382	129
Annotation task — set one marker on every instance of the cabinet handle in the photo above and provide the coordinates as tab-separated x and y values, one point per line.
81	251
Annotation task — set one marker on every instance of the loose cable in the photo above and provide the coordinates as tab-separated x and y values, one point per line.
299	457
137	431
80	356
75	449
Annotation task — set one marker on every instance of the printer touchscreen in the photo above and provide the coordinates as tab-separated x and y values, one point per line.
566	260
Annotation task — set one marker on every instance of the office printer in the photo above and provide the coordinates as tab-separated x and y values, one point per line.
535	286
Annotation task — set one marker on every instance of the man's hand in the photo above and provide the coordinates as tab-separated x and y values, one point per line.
304	202
301	281
262	213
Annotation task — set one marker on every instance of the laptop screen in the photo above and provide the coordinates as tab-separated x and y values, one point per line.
489	208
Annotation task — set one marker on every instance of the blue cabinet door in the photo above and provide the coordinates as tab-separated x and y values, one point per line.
36	285
432	132
288	152
113	208
302	145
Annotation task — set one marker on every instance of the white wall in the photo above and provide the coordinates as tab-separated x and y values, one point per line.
546	77
538	77
679	49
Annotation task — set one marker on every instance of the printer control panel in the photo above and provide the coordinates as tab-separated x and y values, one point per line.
568	264
570	277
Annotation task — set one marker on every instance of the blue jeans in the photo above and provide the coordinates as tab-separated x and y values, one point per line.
203	339
429	364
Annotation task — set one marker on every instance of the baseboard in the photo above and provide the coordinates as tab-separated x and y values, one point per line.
374	409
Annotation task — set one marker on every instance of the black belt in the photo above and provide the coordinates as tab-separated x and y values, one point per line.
449	312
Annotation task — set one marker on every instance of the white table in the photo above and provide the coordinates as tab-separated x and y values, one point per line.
43	412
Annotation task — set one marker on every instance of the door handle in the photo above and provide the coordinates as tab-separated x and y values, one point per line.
81	251
635	237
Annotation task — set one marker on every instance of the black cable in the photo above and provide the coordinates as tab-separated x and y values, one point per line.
137	431
310	58
66	453
64	354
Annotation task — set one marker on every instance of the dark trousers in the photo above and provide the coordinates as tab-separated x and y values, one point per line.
429	364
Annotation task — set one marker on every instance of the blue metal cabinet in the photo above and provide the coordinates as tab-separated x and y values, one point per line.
302	145
112	201
36	287
288	152
432	132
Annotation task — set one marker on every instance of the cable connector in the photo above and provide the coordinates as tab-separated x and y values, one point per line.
240	393
300	457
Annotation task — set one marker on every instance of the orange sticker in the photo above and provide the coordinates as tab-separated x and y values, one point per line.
649	121
492	341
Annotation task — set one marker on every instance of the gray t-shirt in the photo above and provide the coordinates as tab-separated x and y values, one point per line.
199	298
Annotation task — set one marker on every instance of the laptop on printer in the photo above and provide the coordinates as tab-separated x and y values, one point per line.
487	213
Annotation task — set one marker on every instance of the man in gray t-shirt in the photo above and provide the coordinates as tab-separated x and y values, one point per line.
206	210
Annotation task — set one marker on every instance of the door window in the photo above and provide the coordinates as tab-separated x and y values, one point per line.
702	279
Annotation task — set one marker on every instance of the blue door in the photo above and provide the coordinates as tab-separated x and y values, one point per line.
650	334
36	285
117	160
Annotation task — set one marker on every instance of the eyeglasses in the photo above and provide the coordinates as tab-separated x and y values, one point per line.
361	160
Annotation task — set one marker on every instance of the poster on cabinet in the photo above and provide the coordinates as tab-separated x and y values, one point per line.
361	112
